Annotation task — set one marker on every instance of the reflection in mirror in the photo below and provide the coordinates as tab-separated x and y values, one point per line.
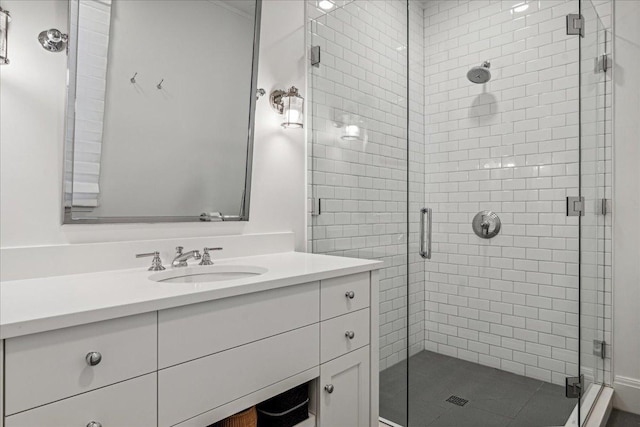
164	97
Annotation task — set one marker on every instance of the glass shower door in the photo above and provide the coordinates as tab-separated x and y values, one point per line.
595	188
359	162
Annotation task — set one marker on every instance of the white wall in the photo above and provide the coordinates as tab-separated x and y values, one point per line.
32	104
626	210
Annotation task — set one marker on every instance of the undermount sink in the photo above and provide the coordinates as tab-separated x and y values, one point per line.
204	274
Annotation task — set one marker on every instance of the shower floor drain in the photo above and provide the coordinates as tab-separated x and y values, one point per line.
457	400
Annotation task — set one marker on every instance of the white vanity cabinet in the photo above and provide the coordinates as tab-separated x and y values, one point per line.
345	394
348	352
129	403
49	366
194	364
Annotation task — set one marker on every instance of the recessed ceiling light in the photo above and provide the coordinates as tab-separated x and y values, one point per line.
326	4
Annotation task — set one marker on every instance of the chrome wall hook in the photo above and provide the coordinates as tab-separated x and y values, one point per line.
133	79
159	85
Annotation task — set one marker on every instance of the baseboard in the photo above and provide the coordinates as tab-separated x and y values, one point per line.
627	394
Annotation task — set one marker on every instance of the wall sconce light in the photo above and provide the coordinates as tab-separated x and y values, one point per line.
350	133
352	127
5	18
53	40
290	104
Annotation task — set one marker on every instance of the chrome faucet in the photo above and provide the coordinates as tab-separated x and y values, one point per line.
181	258
206	257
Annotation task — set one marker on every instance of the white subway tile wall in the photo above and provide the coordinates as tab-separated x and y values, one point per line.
510	146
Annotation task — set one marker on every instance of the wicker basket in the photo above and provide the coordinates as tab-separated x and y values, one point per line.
246	418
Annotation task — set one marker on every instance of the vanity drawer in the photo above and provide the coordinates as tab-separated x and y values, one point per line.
49	366
343	295
186	333
335	333
192	388
129	403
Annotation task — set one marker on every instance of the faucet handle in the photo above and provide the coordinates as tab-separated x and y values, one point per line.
206	257
156	262
179	250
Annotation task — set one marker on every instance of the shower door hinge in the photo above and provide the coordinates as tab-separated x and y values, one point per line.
603	207
575	25
603	63
315	56
573	387
600	349
316	207
575	206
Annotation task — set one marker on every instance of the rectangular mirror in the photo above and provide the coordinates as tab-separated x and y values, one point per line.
160	110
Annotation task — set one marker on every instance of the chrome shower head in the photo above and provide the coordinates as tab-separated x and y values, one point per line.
480	74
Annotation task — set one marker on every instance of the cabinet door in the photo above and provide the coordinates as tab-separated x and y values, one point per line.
344	391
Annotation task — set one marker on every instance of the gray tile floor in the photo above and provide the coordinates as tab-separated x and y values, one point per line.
623	419
495	398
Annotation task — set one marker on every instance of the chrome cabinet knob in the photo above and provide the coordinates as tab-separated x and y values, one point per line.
93	358
329	388
350	334
94	424
350	295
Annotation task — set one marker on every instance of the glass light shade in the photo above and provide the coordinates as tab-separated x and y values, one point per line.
4	25
325	4
350	132
292	109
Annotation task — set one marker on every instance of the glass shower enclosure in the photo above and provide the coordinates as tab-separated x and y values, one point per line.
405	149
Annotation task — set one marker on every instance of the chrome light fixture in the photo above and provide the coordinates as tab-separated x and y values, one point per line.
5	18
53	40
291	105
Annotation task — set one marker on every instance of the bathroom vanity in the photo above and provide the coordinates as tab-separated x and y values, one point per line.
117	348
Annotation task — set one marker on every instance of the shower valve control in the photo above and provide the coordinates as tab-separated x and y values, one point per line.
486	224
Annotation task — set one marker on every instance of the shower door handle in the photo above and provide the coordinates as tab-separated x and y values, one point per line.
425	232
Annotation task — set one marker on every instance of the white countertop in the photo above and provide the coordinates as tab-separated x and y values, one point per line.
37	305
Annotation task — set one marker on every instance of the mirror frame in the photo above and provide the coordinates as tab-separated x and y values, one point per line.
68	144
